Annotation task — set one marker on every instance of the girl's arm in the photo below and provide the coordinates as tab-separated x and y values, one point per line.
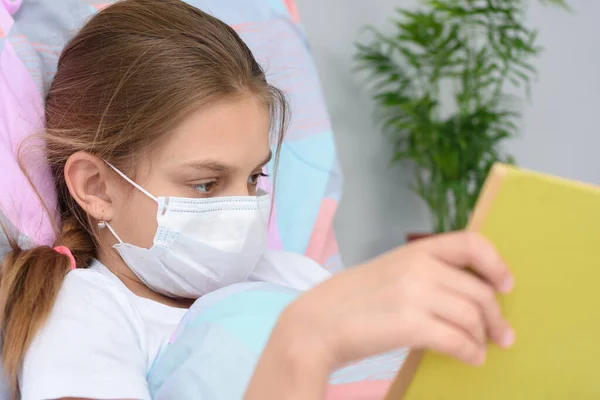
418	296
294	365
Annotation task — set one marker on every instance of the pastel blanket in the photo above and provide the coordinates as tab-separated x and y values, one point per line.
213	353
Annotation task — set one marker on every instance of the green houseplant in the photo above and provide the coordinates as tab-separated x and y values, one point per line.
440	82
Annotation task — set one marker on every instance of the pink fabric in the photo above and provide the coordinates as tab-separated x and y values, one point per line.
12	6
6	21
364	390
273	238
293	10
323	244
21	113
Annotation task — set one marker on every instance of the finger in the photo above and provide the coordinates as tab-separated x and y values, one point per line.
444	338
480	293
469	249
460	312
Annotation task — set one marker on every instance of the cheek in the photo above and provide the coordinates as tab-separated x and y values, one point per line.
137	221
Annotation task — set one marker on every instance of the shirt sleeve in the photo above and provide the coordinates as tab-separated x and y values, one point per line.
90	347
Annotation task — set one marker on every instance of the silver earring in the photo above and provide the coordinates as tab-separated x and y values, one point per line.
101	224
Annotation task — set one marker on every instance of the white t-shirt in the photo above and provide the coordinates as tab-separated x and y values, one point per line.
99	341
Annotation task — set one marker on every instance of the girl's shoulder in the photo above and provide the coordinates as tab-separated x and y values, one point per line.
92	341
92	294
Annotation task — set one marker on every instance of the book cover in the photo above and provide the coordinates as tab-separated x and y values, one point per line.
548	231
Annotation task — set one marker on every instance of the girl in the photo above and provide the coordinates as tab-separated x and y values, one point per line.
157	130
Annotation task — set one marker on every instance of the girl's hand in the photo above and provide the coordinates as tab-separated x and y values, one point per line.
419	295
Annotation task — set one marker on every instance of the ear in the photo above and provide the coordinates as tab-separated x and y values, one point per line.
89	183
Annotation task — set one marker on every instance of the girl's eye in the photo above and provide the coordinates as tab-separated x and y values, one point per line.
253	179
205	187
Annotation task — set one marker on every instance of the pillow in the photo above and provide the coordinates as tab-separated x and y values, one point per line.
310	182
21	111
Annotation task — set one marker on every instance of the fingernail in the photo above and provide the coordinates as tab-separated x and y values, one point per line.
508	284
479	360
509	338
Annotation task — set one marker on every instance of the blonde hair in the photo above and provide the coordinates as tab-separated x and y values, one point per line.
131	75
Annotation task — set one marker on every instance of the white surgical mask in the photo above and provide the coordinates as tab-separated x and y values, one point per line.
201	244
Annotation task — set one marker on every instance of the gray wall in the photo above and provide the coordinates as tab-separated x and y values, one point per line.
559	133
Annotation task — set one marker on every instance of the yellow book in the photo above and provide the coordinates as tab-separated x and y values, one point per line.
548	231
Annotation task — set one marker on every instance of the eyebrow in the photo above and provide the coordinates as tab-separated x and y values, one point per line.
217	166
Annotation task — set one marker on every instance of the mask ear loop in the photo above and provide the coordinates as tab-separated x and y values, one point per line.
104	224
138	187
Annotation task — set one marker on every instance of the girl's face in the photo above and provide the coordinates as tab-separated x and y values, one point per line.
220	150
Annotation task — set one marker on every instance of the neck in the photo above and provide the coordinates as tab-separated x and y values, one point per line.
117	266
